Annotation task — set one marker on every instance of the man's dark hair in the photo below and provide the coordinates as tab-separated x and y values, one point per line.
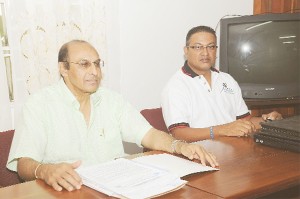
63	53
199	29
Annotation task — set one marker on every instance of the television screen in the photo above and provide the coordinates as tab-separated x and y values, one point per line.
262	53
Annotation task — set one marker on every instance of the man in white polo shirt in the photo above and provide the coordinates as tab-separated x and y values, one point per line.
200	102
75	122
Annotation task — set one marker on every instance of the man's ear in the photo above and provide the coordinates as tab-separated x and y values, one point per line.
62	69
185	52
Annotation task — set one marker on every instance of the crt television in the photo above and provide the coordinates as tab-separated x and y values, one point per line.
262	53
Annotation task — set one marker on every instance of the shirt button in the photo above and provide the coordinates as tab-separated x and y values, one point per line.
101	132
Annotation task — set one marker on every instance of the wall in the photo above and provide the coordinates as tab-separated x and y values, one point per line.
6	121
146	39
152	36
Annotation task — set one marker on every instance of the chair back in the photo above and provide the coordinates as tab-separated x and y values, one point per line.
7	177
155	117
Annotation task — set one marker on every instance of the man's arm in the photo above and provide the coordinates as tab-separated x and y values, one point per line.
241	127
58	176
158	140
237	128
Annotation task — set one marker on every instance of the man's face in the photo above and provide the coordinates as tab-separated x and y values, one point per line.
83	75
201	53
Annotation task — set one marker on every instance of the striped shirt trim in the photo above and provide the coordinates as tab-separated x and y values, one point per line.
243	116
186	69
178	125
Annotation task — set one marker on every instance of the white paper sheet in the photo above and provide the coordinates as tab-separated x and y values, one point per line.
125	178
174	164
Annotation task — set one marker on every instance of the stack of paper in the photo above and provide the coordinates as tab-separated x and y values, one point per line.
176	165
123	178
142	177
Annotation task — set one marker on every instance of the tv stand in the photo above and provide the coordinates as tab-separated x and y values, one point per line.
287	107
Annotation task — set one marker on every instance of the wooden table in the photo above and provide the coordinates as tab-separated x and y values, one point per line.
39	190
247	170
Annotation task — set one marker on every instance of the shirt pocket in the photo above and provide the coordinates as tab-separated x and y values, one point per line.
105	142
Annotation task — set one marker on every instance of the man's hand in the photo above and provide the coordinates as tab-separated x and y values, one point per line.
236	128
272	116
159	140
61	175
195	151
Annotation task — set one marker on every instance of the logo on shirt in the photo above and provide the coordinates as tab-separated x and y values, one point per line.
226	89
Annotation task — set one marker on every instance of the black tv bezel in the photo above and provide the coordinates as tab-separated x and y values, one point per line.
254	90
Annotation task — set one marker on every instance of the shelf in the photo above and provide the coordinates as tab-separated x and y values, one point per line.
287	107
272	102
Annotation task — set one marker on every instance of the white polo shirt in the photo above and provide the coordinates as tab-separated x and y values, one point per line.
188	100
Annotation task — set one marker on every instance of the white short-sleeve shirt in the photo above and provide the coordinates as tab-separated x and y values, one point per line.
54	130
188	100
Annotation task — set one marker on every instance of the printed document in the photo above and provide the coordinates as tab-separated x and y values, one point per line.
176	165
123	178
